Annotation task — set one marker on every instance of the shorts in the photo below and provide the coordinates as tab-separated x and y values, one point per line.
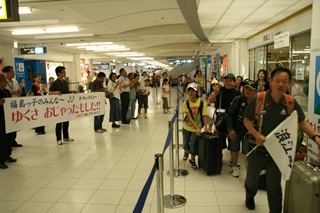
234	145
210	120
143	101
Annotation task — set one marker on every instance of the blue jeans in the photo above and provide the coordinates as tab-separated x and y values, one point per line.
132	109
190	142
98	122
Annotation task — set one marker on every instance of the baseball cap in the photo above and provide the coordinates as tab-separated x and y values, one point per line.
230	75
249	83
193	86
214	81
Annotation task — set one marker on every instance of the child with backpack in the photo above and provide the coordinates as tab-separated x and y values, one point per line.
196	118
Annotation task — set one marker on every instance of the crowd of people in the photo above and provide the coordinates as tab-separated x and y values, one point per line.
235	101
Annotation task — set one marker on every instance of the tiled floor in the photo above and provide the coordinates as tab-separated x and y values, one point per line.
106	172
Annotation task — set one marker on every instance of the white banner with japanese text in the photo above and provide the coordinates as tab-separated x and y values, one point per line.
281	144
28	112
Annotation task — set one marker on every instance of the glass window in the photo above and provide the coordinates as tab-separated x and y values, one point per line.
300	55
259	60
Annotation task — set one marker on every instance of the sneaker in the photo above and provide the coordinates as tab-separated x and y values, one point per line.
103	129
193	164
185	155
99	131
250	203
235	172
60	142
68	139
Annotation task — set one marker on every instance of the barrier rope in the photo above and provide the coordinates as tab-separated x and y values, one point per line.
144	193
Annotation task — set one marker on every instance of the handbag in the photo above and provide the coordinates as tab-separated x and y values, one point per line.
222	119
109	95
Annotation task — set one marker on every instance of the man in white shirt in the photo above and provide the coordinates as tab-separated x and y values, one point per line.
125	95
14	88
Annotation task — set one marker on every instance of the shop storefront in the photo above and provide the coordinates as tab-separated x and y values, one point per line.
296	57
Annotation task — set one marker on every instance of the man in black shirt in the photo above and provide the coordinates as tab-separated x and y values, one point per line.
222	98
58	87
97	86
5	148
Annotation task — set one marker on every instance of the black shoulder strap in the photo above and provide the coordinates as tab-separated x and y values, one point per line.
200	111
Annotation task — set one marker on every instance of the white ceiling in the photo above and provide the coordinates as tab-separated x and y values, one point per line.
156	28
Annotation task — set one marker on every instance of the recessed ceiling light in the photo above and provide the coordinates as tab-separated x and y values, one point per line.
25	10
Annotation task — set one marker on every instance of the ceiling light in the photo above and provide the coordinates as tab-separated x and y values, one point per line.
28	32
91	43
118	53
48	30
30	23
62	30
74	35
129	55
141	58
25	10
111	50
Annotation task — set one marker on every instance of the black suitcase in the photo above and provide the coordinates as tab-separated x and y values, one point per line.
302	194
210	153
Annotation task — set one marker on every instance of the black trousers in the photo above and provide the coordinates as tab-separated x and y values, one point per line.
4	147
125	99
12	138
65	130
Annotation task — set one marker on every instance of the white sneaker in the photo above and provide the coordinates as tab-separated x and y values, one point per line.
60	142
235	171
99	131
68	139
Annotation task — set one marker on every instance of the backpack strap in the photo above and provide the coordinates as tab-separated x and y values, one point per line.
259	107
199	110
289	104
260	102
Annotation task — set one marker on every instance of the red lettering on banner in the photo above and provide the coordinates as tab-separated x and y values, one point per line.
29	115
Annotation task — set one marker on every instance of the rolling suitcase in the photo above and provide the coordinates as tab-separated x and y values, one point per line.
302	194
210	153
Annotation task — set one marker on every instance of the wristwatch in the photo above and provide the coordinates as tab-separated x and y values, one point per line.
314	137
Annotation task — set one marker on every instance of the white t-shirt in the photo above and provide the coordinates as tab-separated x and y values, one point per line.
145	90
13	85
165	91
111	88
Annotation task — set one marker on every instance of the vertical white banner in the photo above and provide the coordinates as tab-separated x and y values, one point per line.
314	82
281	144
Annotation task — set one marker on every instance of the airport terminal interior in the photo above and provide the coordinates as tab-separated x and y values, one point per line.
106	172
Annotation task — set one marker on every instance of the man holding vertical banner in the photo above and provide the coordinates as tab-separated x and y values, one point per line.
272	139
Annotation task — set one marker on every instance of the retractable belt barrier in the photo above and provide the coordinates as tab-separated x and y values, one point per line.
145	190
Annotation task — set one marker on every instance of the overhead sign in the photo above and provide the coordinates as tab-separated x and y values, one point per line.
33	50
281	40
3	9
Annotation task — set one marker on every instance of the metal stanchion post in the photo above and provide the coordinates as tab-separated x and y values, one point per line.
173	201
178	172
159	177
157	96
